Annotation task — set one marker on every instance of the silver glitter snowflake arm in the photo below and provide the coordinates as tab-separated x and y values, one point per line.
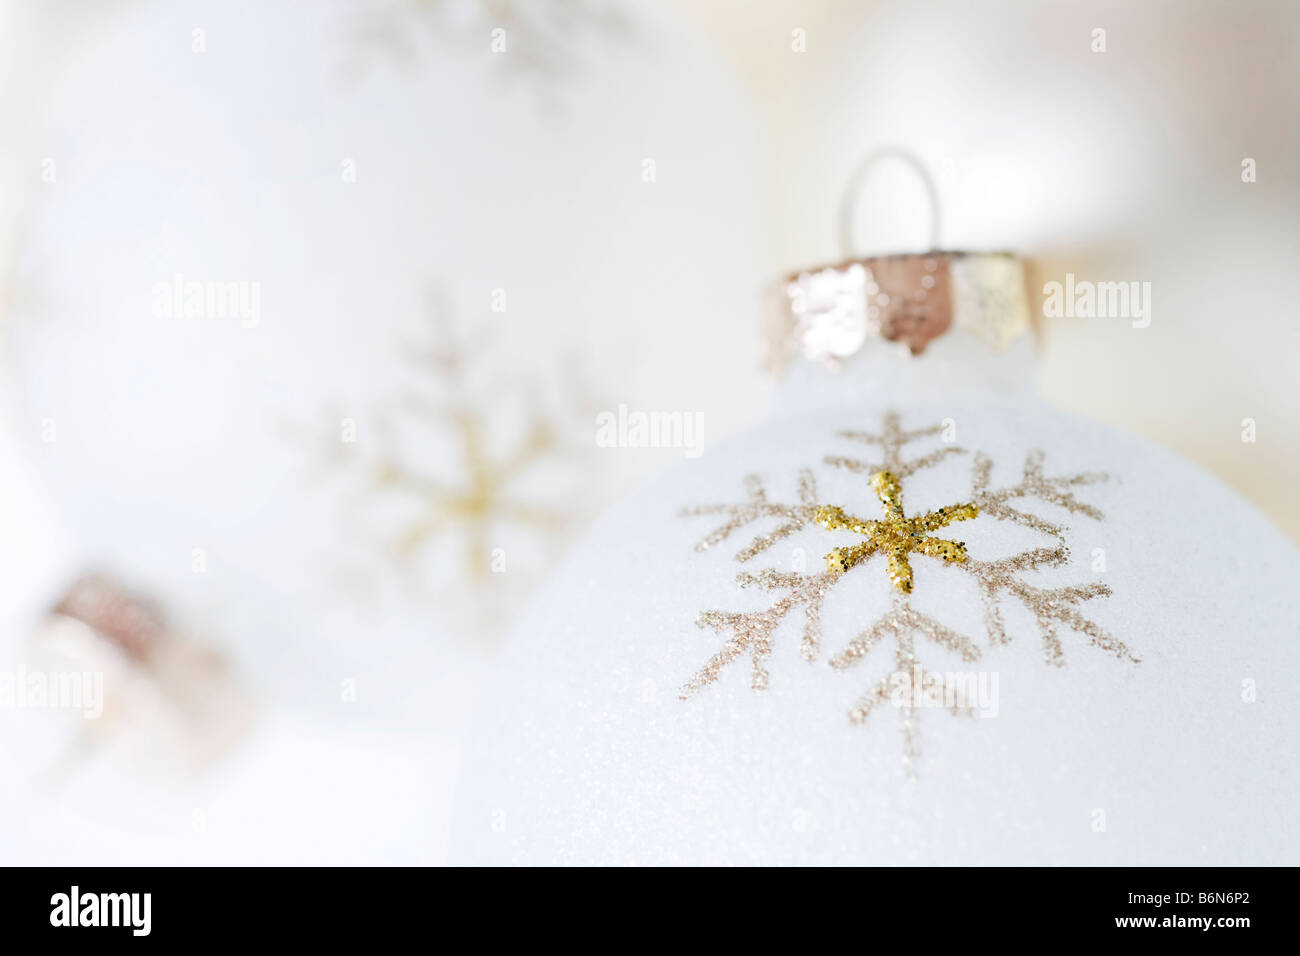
902	623
862	467
891	440
1051	607
752	631
903	619
1058	606
1033	484
754	508
546	37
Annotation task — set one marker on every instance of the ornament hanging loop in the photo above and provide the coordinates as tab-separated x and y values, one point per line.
849	204
828	313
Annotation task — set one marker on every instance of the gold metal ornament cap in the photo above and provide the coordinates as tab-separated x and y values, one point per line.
829	313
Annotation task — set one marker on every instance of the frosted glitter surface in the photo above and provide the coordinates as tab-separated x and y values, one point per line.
585	752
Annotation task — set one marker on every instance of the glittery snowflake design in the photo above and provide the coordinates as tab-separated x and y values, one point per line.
534	43
897	536
472	492
898	539
756	506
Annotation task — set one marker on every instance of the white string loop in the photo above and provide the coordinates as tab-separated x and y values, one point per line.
848	201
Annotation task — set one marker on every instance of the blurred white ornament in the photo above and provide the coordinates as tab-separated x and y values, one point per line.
242	235
137	684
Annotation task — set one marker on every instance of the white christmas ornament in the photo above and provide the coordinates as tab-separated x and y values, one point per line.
255	215
1062	645
266	223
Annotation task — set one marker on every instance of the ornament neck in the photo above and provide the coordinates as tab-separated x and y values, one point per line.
902	328
957	367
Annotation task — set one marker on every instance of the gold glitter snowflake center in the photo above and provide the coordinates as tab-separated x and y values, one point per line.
897	535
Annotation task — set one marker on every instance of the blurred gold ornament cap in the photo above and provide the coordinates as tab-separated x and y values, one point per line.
169	701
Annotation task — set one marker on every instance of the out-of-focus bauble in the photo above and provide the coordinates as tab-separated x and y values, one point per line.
258	217
254	215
